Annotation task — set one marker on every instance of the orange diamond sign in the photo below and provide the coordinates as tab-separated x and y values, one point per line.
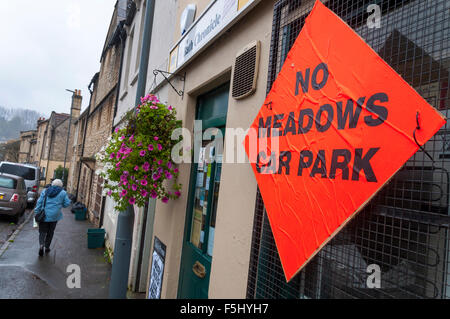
336	126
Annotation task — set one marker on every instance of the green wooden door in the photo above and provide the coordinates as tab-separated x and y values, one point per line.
201	213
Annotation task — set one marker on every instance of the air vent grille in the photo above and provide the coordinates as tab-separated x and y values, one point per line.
246	71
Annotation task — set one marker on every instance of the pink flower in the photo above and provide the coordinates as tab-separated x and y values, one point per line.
159	162
156	138
169	165
124	192
165	200
134	187
111	156
109	193
146	167
156	177
177	194
132	201
144	182
159	147
168	175
175	170
136	168
116	130
170	108
150	147
142	153
153	194
144	193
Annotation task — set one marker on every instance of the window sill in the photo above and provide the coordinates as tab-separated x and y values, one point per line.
135	78
122	96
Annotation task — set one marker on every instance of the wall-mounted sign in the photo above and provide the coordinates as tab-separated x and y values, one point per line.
157	271
216	19
337	124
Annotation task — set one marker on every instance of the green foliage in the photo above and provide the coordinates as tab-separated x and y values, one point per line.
58	174
15	120
138	157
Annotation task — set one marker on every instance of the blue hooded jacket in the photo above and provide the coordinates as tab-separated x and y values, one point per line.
57	198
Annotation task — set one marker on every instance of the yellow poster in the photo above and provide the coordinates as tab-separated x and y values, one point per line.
242	3
173	59
196	227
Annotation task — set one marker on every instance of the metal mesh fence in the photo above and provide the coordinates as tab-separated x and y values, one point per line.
404	229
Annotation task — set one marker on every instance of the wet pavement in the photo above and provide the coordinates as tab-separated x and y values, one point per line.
7	226
24	274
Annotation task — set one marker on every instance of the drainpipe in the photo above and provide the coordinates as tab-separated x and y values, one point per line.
124	235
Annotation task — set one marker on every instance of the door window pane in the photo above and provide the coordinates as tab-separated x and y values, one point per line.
200	208
212	223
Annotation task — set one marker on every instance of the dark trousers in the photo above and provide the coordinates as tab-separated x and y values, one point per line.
46	231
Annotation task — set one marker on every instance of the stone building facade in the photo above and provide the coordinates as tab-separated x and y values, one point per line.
41	128
53	145
27	142
54	137
77	152
95	126
9	151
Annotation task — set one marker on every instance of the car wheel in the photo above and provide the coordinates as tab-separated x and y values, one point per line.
15	218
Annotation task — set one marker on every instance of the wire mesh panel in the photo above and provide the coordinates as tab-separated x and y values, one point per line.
403	231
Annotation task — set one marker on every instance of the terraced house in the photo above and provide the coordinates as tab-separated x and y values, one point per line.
215	62
95	124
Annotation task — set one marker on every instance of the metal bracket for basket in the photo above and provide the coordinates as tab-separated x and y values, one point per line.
180	77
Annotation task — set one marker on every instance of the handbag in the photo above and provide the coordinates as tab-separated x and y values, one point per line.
40	217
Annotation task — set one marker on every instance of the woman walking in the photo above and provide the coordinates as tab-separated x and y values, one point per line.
54	198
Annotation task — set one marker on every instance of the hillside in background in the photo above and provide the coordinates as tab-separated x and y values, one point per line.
12	121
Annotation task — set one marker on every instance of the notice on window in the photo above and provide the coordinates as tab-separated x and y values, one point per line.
196	227
211	241
200	179
157	270
201	159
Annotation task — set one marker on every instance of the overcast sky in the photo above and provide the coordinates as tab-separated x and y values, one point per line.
48	46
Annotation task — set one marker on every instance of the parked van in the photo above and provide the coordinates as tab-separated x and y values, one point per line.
30	174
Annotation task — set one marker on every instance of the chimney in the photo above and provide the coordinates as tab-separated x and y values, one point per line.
76	104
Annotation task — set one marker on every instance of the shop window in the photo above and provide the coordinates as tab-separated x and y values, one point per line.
404	229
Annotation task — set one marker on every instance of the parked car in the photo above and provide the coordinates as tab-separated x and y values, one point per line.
13	196
29	173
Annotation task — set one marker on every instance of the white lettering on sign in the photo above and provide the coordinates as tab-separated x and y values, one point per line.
219	16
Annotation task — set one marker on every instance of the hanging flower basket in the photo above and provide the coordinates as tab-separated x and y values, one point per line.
137	159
